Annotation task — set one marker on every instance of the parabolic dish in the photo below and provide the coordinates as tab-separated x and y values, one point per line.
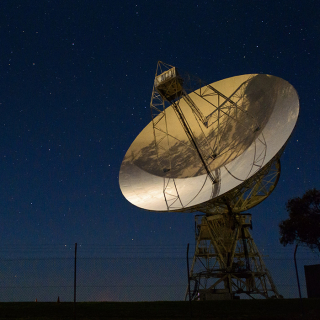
247	125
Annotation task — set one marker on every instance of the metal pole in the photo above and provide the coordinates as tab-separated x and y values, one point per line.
190	303
295	264
75	283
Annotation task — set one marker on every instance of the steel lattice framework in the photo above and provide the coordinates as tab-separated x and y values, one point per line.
226	260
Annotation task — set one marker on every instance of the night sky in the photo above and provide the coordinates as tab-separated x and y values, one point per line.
76	79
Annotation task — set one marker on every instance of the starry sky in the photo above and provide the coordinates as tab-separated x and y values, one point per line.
76	80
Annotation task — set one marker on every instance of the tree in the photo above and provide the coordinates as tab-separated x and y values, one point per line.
303	225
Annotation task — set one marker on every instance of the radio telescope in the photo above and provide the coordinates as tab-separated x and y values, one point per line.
213	148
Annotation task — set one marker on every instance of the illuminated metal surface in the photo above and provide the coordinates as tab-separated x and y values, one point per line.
246	120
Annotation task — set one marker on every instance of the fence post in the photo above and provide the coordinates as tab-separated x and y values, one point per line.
75	283
190	303
295	264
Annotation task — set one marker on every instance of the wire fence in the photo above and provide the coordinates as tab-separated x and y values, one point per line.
121	273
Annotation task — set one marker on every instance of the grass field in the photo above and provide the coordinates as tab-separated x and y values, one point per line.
235	309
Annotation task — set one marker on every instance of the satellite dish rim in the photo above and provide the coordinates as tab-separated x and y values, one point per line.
194	207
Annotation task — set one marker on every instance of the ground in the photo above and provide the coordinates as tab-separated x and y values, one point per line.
274	309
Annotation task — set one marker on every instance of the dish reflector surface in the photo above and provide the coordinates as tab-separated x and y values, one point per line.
247	126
